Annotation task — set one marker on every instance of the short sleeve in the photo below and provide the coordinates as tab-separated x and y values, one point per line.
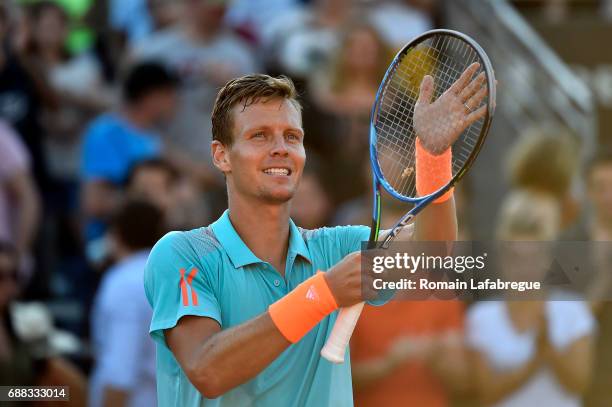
178	282
568	322
350	238
100	160
480	325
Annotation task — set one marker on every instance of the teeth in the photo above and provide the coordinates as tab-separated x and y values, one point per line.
277	171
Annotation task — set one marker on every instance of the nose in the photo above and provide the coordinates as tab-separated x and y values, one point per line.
279	147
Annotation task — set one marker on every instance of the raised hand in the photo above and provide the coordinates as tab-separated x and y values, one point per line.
439	124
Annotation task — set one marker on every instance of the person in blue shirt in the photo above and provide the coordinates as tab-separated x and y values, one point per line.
115	141
242	307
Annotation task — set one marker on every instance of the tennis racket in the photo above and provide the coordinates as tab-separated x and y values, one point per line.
440	86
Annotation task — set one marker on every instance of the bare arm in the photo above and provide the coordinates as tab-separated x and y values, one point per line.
370	371
23	192
493	385
448	361
216	361
438	221
573	365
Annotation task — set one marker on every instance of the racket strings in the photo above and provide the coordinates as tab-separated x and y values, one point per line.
444	58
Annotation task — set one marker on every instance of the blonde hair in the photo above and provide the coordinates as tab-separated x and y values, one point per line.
546	158
529	214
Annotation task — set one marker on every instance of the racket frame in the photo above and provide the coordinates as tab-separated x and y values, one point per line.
337	342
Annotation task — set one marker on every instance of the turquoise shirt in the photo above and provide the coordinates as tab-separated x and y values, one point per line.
210	272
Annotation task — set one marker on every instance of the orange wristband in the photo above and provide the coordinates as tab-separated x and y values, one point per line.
433	171
299	311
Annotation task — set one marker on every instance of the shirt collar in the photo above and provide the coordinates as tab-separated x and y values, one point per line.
239	253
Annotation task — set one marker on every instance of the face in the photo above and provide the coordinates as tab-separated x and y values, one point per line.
266	158
50	30
311	205
600	190
209	13
362	51
153	185
162	104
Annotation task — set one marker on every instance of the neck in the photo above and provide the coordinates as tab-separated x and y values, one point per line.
264	228
525	314
137	117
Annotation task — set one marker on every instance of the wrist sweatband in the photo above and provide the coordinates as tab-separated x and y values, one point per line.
299	311
433	171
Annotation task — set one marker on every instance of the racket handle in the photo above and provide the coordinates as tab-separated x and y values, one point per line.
341	333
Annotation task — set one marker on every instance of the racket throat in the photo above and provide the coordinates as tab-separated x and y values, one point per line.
405	221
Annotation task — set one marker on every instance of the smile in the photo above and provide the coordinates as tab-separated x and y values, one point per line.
277	171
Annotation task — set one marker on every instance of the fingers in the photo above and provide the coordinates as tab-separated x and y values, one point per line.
464	79
476	115
474	85
474	101
427	89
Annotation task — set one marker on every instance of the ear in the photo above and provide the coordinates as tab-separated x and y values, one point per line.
220	156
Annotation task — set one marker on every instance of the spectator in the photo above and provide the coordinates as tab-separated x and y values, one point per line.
300	42
311	207
399	22
205	55
532	352
409	353
342	96
545	160
114	142
19	201
153	180
21	101
26	357
124	373
75	83
157	181
597	227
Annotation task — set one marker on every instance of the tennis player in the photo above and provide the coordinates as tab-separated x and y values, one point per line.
242	307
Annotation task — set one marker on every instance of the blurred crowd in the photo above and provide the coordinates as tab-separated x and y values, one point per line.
104	146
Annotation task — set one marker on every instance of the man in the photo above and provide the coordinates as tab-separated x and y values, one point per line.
597	228
124	373
114	142
240	311
205	54
409	353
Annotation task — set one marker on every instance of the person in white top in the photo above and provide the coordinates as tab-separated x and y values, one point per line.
531	352
124	373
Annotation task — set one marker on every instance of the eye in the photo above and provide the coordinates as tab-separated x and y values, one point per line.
258	135
293	137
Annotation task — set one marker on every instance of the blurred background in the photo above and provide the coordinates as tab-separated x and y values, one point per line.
104	145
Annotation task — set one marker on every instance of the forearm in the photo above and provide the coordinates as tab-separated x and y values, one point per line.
572	366
236	355
449	364
438	221
495	385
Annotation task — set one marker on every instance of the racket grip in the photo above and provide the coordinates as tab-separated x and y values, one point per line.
341	333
